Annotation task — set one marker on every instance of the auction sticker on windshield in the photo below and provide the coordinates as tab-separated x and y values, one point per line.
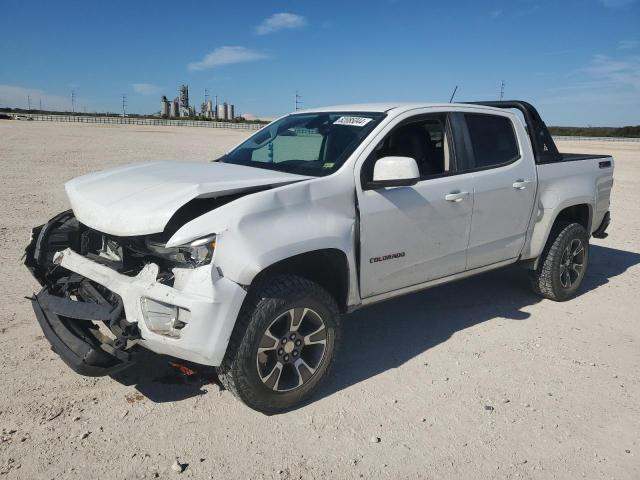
352	121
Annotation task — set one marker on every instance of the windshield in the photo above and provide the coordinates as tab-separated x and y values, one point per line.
314	144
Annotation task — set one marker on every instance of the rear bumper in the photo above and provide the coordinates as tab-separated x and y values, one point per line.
68	327
601	231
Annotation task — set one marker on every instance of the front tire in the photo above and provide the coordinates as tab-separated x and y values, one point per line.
283	344
563	263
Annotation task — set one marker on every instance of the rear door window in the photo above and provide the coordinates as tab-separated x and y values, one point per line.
493	140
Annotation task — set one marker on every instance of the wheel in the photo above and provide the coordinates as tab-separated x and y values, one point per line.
283	344
563	263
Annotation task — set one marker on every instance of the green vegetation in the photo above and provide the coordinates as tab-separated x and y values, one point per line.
627	132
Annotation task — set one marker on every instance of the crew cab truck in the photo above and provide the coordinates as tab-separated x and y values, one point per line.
246	263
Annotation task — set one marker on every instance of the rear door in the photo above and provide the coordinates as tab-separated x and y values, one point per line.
500	157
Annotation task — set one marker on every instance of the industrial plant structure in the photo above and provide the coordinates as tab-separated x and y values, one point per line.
165	107
180	107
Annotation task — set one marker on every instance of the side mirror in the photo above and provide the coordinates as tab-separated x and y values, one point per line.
394	172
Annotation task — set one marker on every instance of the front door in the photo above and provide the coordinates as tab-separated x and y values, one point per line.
410	235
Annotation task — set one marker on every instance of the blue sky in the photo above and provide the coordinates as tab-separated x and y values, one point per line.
577	60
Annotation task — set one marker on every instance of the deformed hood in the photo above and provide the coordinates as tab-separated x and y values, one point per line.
140	199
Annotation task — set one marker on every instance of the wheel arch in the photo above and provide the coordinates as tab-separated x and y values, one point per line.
328	267
581	213
576	211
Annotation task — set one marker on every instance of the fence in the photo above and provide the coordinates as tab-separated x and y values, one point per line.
236	126
140	121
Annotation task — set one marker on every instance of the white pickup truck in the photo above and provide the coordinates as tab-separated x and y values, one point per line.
247	263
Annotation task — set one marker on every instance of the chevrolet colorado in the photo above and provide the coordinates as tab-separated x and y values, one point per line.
247	263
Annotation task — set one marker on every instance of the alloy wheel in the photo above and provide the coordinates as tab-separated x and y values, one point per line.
291	349
572	263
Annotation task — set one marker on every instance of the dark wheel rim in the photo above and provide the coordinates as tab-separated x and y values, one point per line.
572	263
292	349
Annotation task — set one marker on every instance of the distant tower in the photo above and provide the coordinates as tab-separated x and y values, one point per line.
184	100
501	89
231	114
174	108
221	111
165	107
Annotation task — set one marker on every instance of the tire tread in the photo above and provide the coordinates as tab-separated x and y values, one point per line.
542	278
265	297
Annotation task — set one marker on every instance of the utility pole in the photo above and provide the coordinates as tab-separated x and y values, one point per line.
28	102
501	89
73	101
124	105
297	101
40	103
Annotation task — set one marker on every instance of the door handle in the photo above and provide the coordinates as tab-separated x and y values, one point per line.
521	184
455	196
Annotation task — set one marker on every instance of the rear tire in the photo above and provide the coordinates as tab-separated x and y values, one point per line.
283	344
563	263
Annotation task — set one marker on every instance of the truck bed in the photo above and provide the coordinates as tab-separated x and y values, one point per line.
578	175
573	157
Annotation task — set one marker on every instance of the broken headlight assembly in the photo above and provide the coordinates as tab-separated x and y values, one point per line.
195	254
200	251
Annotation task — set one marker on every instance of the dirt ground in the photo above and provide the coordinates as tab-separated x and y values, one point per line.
476	379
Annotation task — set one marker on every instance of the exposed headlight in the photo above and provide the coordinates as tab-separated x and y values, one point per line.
193	254
200	252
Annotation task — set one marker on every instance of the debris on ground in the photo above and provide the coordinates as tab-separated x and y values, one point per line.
178	467
134	397
55	413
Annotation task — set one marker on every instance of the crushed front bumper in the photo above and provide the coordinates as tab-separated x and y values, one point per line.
79	293
69	327
213	302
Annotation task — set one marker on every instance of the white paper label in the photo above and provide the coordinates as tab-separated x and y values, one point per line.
352	121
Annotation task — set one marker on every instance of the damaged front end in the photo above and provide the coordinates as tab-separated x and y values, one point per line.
83	321
104	295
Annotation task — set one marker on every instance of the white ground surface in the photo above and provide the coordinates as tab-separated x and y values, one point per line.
418	372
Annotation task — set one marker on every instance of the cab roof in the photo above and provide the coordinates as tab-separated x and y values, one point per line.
385	107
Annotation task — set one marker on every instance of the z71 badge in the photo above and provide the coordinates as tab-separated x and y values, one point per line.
391	256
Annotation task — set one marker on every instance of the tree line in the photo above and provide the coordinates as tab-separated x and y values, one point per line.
630	131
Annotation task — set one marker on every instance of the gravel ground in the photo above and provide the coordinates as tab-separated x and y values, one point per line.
476	379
